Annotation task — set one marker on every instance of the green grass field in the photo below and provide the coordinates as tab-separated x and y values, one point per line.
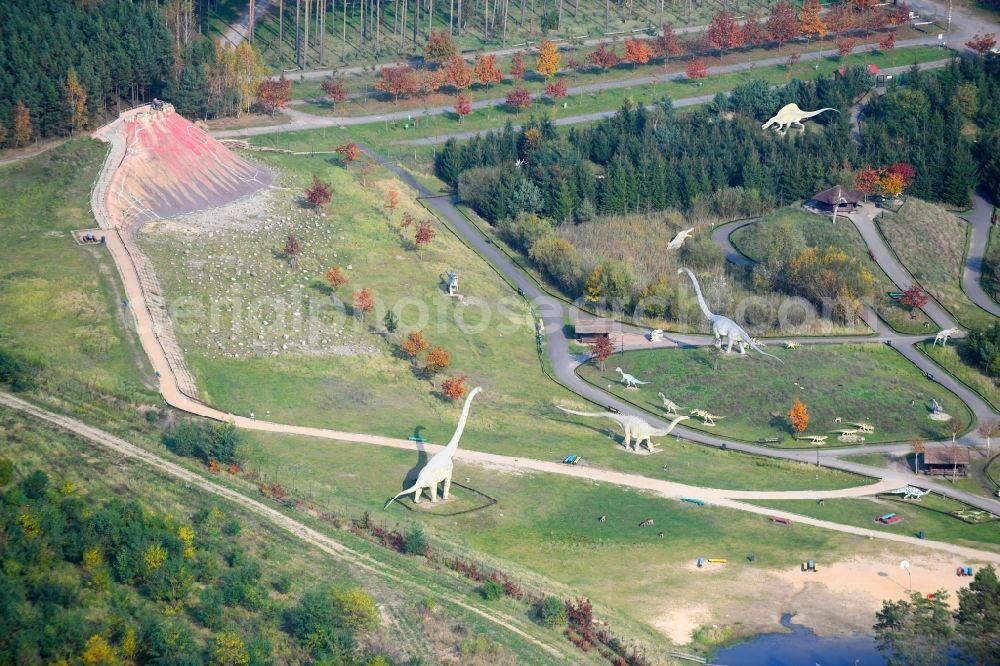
930	514
60	302
545	528
950	358
819	232
355	381
931	243
855	382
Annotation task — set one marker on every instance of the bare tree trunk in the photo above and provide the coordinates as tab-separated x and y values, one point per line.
322	30
559	21
486	17
506	4
607	14
281	32
416	21
430	15
402	30
305	38
345	26
576	10
250	18
298	34
451	18
459	23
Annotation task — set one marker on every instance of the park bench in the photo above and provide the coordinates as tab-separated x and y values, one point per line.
777	520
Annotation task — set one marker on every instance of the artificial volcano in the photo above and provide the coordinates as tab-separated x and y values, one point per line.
170	167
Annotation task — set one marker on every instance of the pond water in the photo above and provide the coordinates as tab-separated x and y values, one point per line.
802	647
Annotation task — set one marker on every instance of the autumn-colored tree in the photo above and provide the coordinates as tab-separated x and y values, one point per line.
602	350
248	72
439	47
798	416
873	19
517	66
335	278
364	302
724	32
905	171
423	235
793	59
22	124
228	649
414	344
291	250
76	103
547	63
666	43
866	181
274	94
348	152
604	56
98	652
845	45
810	19
431	80
988	429
637	52
463	107
454	388
888	42
782	24
402	81
696	69
334	89
914	297
899	13
437	360
486	70
318	193
892	185
556	89
754	32
518	98
391	201
982	43
458	73
840	18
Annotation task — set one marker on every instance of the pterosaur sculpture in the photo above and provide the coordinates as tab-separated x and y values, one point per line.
439	468
791	114
724	327
635	427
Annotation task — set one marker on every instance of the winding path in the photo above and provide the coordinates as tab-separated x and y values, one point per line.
979	238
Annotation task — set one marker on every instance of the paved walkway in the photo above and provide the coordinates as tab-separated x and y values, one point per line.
979	237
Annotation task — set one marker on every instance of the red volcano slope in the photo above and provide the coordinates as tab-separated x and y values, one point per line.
171	167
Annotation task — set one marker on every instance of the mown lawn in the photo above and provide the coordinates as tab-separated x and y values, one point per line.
950	358
931	243
820	232
355	380
868	382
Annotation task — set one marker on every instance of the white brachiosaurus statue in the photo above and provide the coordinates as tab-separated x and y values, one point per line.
791	114
439	468
724	327
635	427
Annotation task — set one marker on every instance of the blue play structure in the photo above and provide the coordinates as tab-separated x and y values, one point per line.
693	501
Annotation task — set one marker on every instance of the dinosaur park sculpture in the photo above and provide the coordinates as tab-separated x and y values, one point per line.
789	344
909	492
944	335
863	426
678	240
628	380
669	405
439	468
815	439
636	428
791	114
707	417
451	280
724	327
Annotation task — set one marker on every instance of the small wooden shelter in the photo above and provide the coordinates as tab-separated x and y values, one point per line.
845	199
946	460
589	330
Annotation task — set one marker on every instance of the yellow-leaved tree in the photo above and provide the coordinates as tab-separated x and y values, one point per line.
810	20
548	58
76	102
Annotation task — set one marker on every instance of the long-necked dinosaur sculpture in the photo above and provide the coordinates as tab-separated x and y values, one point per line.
439	468
724	327
635	427
791	114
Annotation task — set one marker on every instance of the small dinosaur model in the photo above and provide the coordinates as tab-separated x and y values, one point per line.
439	468
944	335
791	345
678	240
815	439
708	418
791	114
862	426
724	327
669	405
628	380
635	427
909	492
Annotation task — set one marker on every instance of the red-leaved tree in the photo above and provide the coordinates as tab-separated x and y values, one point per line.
517	66
637	52
423	235
334	89
724	32
782	24
364	302
556	89
463	107
604	57
458	74
754	32
888	42
666	43
982	43
487	71
518	98
696	69
402	81
603	349
318	193
349	151
454	388
866	181
914	297
845	45
274	94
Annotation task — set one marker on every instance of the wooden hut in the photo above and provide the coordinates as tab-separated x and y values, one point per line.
946	460
846	200
588	330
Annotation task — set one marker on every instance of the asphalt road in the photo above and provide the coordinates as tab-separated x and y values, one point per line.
979	236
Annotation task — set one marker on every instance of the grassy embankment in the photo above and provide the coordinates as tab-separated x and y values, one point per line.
854	382
819	232
355	380
931	243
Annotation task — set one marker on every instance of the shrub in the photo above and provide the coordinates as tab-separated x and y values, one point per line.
6	471
34	485
491	590
14	372
552	612
416	542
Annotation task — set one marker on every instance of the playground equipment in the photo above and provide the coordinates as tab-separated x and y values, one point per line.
701	562
961	571
716	560
571	459
692	500
889	518
809	565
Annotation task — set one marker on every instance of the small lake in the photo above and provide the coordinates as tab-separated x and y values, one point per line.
802	647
